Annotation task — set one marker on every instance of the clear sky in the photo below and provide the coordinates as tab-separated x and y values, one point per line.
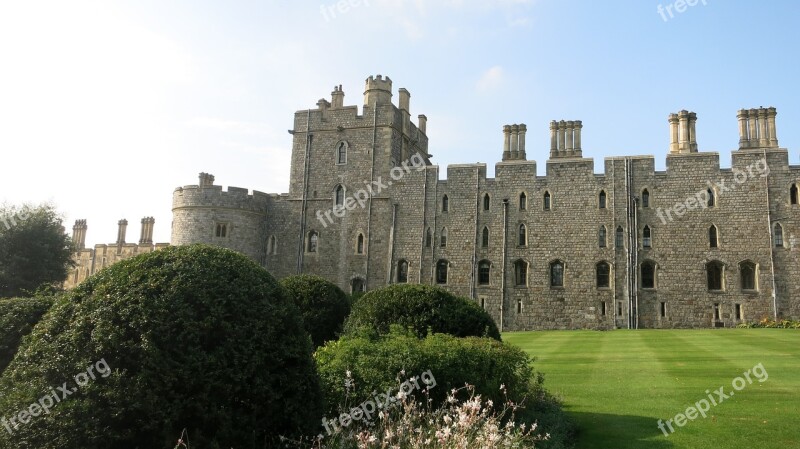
106	107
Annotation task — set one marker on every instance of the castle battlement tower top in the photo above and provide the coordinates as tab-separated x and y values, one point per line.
378	90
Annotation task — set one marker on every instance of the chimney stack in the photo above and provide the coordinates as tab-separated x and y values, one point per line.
206	180
757	128
123	228
514	142
146	237
682	132
79	234
565	139
337	97
423	123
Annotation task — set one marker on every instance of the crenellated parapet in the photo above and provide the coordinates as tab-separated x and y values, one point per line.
208	195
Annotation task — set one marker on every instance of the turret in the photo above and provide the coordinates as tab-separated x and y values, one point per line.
378	91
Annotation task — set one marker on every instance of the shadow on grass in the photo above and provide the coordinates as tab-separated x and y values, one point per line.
603	431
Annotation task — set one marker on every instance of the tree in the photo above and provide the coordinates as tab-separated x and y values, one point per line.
323	305
34	249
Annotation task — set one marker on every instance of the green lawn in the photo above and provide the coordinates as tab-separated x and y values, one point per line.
618	385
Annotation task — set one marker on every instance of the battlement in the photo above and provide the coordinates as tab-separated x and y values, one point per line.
206	194
378	90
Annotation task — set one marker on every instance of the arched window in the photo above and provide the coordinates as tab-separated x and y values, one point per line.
485	238
603	274
520	273
601	200
715	272
445	204
358	286
523	235
523	201
486	201
484	269
428	238
222	230
272	245
601	237
648	274
338	196
748	272
712	200
645	198
547	201
620	238
402	272
713	238
443	238
778	235
341	153
313	241
793	193
360	244
557	273
647	240
441	271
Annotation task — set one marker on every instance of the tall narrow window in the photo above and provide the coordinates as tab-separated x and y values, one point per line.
339	195
778	235
547	201
360	244
313	241
486	202
648	274
717	314
647	240
523	235
519	306
445	204
712	200
738	313
603	271
619	308
619	241
402	272
485	238
603	308
715	272
557	274
441	271
645	198
520	273
272	245
748	275
222	230
341	153
663	309
712	237
523	201
601	237
484	269
793	193
443	238
601	200
428	238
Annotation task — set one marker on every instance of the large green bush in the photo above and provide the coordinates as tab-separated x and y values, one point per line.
376	364
17	318
194	337
420	308
323	305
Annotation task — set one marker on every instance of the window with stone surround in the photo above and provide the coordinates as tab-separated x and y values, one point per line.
443	238
603	274
738	312
556	273
486	202
645	198
713	237
663	309
313	241
341	153
712	198
748	272
428	238
648	274
601	200
358	285
360	244
338	195
485	237
620	238
445	203
647	237
793	194
601	237
272	245
523	235
221	230
520	273
547	201
442	266
523	201
778	235
402	271
484	271
715	274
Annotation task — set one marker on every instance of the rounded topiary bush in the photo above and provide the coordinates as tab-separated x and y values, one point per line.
420	308
323	305
17	318
193	337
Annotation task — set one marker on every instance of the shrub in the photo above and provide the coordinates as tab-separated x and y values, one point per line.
354	368
196	336
323	306
17	318
420	308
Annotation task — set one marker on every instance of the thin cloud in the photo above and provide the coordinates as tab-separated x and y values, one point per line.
491	79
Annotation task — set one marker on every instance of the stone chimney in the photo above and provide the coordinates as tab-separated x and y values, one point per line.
337	97
423	123
79	234
682	132
123	229
206	180
565	139
757	128
146	237
514	142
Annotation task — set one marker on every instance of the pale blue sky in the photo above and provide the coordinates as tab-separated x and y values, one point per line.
120	102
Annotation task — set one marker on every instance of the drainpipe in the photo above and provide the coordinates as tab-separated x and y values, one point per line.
369	203
390	258
475	242
304	207
771	245
503	266
424	220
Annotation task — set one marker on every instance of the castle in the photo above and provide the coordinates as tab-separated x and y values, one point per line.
693	246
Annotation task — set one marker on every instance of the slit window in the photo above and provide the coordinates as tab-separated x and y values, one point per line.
486	202
601	237
523	201
360	244
645	198
547	201
443	238
313	241
778	235
793	194
601	200
485	238
647	238
713	240
445	203
523	235
339	195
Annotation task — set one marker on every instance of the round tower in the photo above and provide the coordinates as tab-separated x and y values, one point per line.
378	90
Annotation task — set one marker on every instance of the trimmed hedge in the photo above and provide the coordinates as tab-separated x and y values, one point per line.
420	308
17	318
195	337
323	306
